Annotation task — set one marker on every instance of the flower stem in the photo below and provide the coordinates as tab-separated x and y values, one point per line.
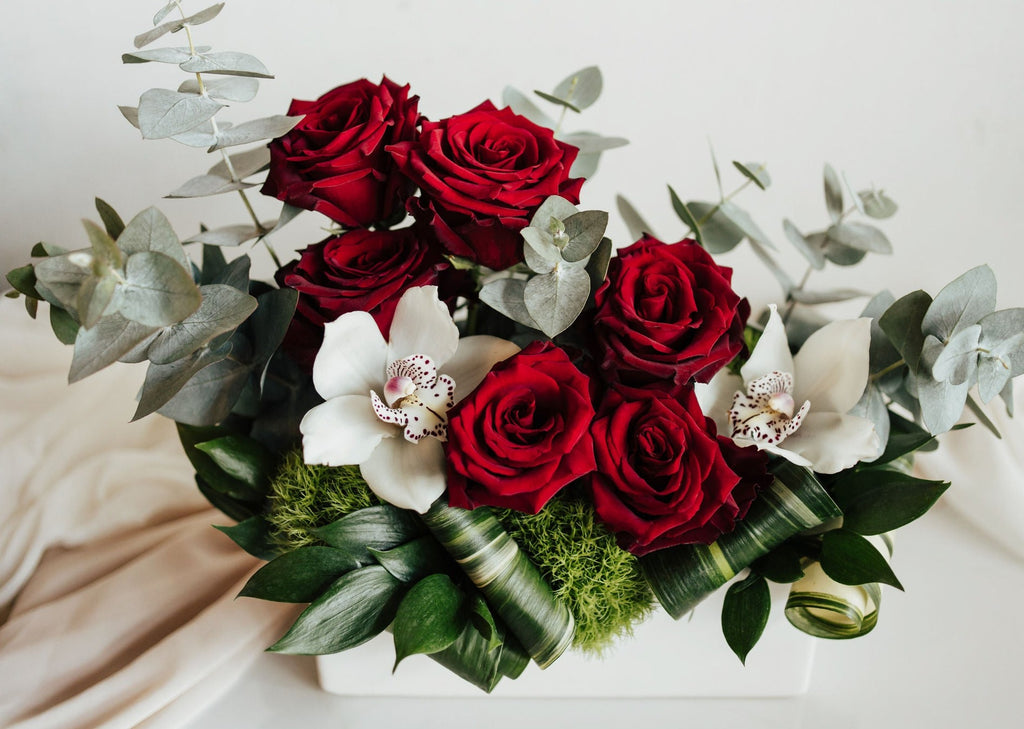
886	370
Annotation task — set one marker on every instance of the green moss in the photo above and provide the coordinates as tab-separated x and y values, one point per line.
305	497
599	582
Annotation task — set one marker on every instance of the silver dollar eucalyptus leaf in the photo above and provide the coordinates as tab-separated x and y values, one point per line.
131	113
58	278
745	223
102	345
208	397
585	231
635	223
162	55
228	88
164	381
555	299
814	255
833	194
150	230
825	297
942	404
872	407
756	172
222	310
288	214
582	88
1001	327
157	290
961	303
104	250
230	63
95	298
256	130
718	233
860	236
506	296
1007	397
993	374
957	361
244	164
165	113
201	136
206	185
588	142
776	270
522	104
877	204
553	207
540	252
164	12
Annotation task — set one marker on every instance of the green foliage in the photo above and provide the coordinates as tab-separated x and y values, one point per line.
304	498
745	613
599	582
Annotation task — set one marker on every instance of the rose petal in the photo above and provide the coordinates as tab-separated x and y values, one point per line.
343	431
832	366
771	353
833	442
715	398
408	475
351	360
422	325
474	359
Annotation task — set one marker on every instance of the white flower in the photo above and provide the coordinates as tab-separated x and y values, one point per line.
797	407
395	440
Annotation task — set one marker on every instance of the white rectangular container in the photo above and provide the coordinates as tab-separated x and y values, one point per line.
688	658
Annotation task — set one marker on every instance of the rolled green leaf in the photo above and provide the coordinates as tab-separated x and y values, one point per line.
683	576
822	607
513	586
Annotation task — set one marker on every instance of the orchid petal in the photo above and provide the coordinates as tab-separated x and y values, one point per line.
343	431
422	325
771	353
795	458
715	398
833	442
832	366
474	359
408	475
352	358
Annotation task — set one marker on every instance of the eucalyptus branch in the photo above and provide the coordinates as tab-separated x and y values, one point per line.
790	301
711	213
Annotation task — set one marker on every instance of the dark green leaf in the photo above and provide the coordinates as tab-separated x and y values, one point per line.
482	617
356	607
429	618
301	575
413	560
597	266
782	564
379	527
24	281
472	658
64	326
850	559
268	324
685	215
241	458
237	509
877	500
902	325
213	264
745	613
909	439
253	535
215	479
111	220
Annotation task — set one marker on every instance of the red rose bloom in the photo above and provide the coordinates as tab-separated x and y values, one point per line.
663	478
334	162
360	270
482	175
522	435
667	315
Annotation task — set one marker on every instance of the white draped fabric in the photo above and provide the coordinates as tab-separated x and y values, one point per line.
121	595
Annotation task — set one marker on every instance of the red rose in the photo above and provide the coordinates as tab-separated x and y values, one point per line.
667	315
334	162
482	175
360	270
663	477
522	435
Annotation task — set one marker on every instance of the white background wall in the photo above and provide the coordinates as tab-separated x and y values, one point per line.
921	97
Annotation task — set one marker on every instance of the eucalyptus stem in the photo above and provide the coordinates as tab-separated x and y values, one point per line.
790	301
710	213
886	370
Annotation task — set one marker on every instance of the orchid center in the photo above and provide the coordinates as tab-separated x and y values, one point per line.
764	414
416	398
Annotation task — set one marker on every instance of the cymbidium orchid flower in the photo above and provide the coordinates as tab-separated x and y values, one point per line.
386	403
798	407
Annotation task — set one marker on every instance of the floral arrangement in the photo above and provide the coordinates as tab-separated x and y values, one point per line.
465	418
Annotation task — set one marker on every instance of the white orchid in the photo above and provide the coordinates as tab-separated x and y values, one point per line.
396	441
798	407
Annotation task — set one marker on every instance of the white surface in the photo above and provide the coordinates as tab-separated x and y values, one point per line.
944	655
665	658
